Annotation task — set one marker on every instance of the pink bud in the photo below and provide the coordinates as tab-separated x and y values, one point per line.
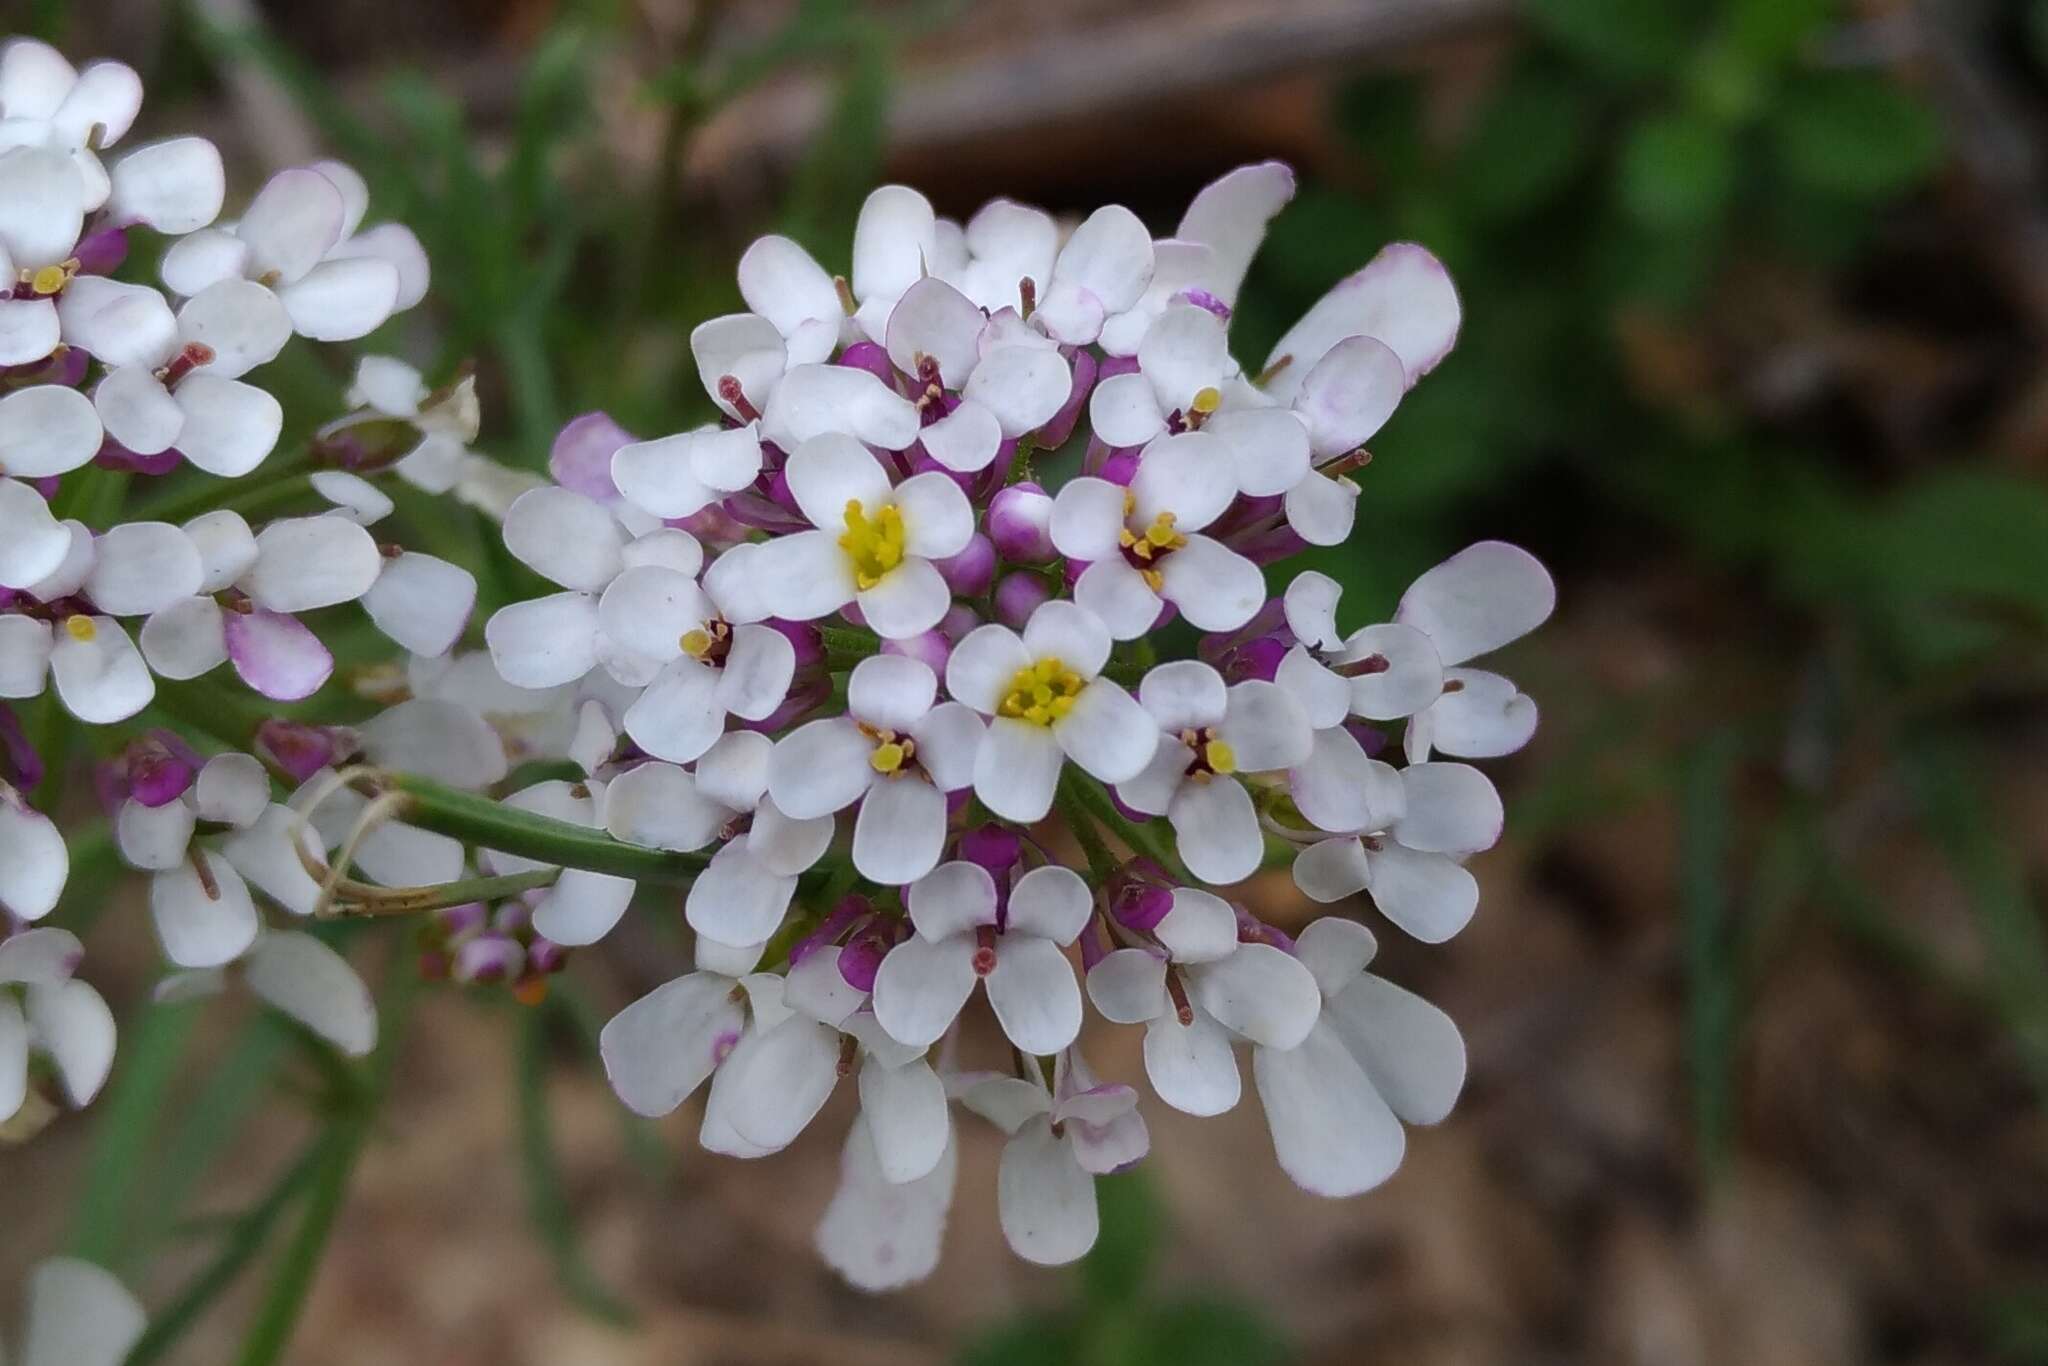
970	572
958	621
1018	596
931	647
581	458
1020	524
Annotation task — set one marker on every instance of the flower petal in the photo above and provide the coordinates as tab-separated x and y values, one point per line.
1051	901
565	537
1230	215
1045	1201
1479	599
1214	587
197	927
1191	1066
661	1048
1128	986
1403	297
1411	1051
737	899
46	429
900	831
921	986
1217	830
878	1234
819	768
1452	809
1333	1134
299	975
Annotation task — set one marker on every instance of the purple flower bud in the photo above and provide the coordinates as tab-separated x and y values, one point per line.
581	458
114	456
488	958
20	765
1255	659
931	647
1121	466
1271	545
970	572
808	639
863	954
1202	298
102	252
544	956
1055	433
995	847
1252	930
460	922
802	698
958	621
1371	739
1141	905
512	917
843	917
160	768
871	358
302	749
1018	596
1020	524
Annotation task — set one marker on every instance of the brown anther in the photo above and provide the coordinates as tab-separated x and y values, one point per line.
390	550
849	1053
1178	990
1454	685
845	293
1373	843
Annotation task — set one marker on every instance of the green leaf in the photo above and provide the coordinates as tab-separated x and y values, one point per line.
1677	170
1626	40
1527	141
478	819
1706	799
1770	32
547	1201
1209	1332
1036	1340
125	1129
1855	133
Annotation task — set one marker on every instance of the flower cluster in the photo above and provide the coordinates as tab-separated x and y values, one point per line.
846	640
114	379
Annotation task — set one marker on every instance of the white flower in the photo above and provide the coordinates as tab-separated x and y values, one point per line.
1187	1053
78	1315
1143	543
894	240
1410	833
662	1047
1209	734
202	909
43	1008
741	897
1101	270
1382	673
298	245
678	475
881	1234
966	935
1011	380
1376	1056
895	753
45	429
301	977
1480	599
1060	1140
1002	246
1047	701
874	543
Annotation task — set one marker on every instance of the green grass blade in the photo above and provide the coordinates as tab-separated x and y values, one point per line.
547	1202
125	1130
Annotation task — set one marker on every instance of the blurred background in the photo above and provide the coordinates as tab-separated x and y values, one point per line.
1755	300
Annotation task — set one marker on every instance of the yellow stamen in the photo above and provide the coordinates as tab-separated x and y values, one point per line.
1207	401
696	643
889	757
81	629
1041	693
875	544
49	280
1219	757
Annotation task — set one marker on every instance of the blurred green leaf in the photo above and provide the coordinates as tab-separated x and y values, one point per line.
1773	31
1856	133
125	1129
1116	1269
1037	1340
1677	170
1208	1332
547	1199
1526	142
1624	39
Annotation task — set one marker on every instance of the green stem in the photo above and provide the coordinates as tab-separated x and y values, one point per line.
1101	863
204	493
413	900
477	819
1144	839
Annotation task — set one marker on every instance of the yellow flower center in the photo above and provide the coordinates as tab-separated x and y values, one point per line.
874	544
1219	757
1207	401
696	643
1143	549
50	280
1041	693
1213	755
81	629
890	755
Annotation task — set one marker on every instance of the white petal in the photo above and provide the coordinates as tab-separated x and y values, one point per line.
342	299
965	439
1024	386
42	206
232	789
153	836
1217	831
1109	255
878	1234
659	477
1153	790
34	79
660	806
229	427
47	954
439	739
1350	394
1190	475
891	692
1484	717
802	577
1261	992
315	985
14	1043
1183	694
661	1048
737	899
1311	609
308	562
1403	297
786	847
33	861
1124	411
1332	1132
1336	951
198	930
142	567
1184	352
1045	1201
1230	216
1342	791
137	410
29	331
1331	870
982	664
949	739
204	258
1052	902
814	400
819	768
1265	727
293	222
1431	896
396	244
101	680
78	1314
1200	927
24	655
175	186
1017	769
244	324
938	521
582	906
1411	1050
1321	509
1215	588
746	346
1120	596
1191	1066
1324	695
1452	809
952	899
734	772
900	831
921	986
565	537
757	673
1087	517
905	1108
46	429
678	717
934	319
74	1026
893	240
120	324
545	641
1034	994
1269	448
1478	600
422	603
264	855
1128	986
